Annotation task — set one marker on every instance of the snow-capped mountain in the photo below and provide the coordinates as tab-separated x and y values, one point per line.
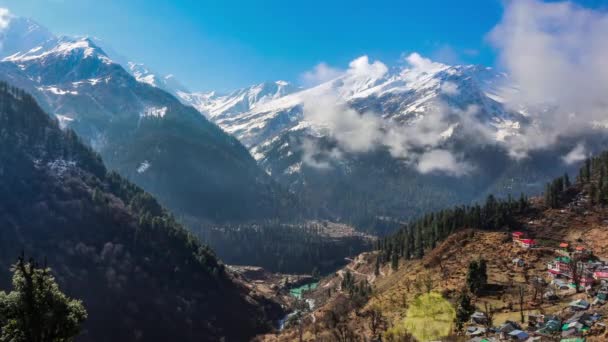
424	123
21	34
141	130
166	82
243	100
399	97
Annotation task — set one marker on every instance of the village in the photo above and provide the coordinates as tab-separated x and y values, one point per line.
569	297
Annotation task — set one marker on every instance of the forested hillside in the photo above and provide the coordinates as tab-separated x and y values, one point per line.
140	274
304	248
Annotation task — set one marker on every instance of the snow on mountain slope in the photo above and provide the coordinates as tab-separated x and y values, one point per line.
239	101
20	34
131	122
166	82
399	97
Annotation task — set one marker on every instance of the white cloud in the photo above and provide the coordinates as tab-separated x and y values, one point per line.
556	55
353	131
450	88
422	64
443	161
362	67
5	18
319	74
356	132
578	154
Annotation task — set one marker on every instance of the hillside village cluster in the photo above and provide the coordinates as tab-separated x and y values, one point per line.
573	266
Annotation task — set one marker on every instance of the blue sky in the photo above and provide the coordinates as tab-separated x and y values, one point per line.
226	44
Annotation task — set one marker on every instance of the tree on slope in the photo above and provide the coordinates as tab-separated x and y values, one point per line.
464	310
477	276
36	310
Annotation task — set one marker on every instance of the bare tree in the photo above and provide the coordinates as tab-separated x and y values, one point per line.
376	319
427	280
575	272
522	295
343	333
489	312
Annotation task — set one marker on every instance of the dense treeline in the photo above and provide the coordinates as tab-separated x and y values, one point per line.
592	176
284	248
414	239
110	243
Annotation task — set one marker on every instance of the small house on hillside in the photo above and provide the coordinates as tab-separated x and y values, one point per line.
479	318
579	305
518	335
517	236
528	243
601	274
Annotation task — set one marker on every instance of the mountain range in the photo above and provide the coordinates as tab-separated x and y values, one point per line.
372	144
140	274
391	143
201	173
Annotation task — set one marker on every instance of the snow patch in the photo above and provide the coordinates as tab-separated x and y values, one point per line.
57	91
143	167
158	112
64	121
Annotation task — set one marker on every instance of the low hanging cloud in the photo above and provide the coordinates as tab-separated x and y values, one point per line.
555	54
577	155
319	74
356	132
442	161
5	18
450	88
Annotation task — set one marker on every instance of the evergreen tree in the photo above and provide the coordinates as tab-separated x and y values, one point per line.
395	262
377	267
36	310
464	310
566	181
477	277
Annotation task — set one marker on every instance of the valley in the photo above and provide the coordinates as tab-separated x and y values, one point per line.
447	190
576	227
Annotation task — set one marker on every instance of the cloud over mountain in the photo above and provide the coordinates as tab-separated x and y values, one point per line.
555	54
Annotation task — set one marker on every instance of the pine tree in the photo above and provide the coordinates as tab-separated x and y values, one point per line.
395	261
36	310
477	276
464	310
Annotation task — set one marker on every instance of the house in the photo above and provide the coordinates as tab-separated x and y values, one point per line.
518	335
559	284
601	274
527	243
475	331
507	328
551	327
559	266
479	318
517	236
579	304
600	299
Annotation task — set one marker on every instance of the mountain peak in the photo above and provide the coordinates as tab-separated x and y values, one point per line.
64	46
20	34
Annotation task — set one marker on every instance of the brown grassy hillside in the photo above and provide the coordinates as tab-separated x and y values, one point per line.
444	269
